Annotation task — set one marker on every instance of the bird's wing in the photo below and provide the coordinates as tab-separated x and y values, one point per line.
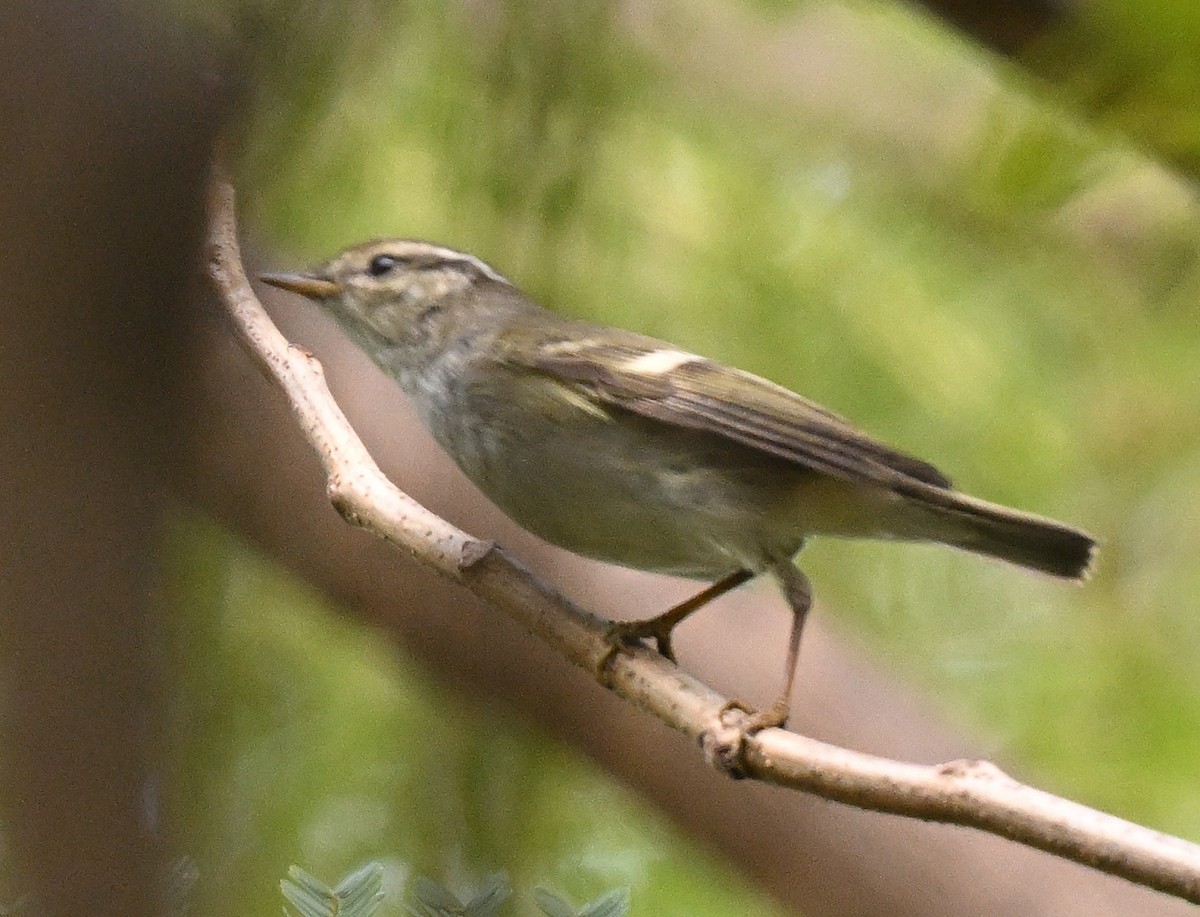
653	380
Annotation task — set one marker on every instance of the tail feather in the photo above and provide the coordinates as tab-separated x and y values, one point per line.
1009	534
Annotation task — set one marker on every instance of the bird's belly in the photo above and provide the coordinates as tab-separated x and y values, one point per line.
653	499
636	518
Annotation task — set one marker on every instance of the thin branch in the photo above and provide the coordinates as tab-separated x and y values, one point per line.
971	793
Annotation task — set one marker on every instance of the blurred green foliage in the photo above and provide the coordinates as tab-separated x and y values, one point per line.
1134	67
972	263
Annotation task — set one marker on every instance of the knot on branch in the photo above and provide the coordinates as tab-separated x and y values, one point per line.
724	742
475	552
343	503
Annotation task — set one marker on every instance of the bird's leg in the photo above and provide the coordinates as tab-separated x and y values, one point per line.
798	592
623	633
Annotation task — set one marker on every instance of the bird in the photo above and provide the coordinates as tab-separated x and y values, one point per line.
627	449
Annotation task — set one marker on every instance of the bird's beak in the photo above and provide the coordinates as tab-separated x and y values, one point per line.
304	284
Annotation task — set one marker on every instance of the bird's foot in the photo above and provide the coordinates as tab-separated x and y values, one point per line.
628	633
724	742
621	635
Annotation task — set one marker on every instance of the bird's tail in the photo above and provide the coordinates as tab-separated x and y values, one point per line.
997	531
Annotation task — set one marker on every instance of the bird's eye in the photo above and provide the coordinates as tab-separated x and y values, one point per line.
382	264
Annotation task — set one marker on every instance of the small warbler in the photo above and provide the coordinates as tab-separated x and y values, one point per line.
624	448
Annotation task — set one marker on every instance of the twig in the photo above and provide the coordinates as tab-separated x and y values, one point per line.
971	793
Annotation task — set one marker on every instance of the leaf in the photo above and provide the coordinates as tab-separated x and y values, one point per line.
361	892
307	894
434	900
552	905
357	895
493	893
613	904
179	887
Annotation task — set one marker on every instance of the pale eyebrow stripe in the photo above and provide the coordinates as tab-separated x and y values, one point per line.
484	268
660	362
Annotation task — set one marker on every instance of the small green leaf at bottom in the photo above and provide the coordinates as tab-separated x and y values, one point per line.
435	900
357	895
611	904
